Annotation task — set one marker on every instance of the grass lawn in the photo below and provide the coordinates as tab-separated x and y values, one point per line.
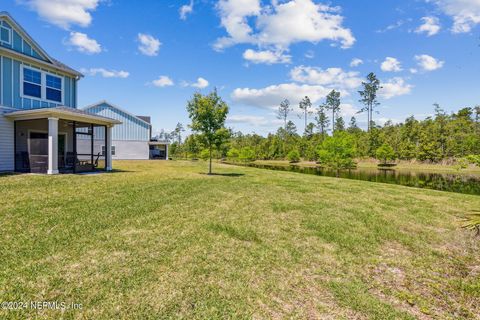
403	165
163	240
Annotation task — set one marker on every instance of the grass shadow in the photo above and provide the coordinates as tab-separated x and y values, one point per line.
238	233
233	175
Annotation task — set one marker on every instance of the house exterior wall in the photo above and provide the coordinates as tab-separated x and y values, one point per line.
6	143
131	129
11	70
131	150
10	86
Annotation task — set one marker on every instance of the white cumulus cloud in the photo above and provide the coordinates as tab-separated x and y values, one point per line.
271	96
428	63
391	65
279	24
465	13
149	45
431	26
394	87
201	83
185	10
255	121
356	62
266	57
335	78
64	13
106	73
81	42
162	81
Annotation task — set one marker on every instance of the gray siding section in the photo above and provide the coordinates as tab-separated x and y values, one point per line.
6	143
131	150
124	150
131	129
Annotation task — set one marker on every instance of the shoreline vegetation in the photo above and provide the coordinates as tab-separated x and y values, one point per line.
373	164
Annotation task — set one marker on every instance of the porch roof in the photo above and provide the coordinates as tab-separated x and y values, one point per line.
62	113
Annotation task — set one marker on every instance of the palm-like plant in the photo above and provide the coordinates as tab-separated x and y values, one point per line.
473	222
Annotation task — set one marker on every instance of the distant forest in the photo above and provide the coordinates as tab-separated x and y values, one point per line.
440	138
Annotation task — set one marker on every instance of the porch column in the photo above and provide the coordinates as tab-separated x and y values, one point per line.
52	146
166	151
108	150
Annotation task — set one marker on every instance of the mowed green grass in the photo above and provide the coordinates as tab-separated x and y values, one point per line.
162	240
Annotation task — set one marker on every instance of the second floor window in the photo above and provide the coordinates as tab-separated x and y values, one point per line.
32	83
54	88
42	85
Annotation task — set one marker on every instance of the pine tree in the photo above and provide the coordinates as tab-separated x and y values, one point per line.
306	106
322	119
333	104
369	96
283	112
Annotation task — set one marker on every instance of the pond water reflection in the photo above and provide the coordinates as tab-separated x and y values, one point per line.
452	182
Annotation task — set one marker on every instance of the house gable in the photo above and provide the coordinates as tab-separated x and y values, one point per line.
132	128
13	37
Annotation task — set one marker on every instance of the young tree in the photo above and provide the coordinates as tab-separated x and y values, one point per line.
233	154
306	106
333	104
309	130
294	156
338	151
322	119
178	132
291	128
208	114
247	154
477	114
192	145
385	153
283	112
339	124
369	96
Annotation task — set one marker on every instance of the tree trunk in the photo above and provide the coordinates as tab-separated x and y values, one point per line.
210	164
333	122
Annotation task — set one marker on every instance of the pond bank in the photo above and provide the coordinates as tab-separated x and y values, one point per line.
443	181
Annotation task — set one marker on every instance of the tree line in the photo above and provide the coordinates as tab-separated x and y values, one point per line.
328	139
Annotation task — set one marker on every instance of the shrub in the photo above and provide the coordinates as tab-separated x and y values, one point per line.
205	154
247	154
385	153
293	156
474	159
337	152
232	154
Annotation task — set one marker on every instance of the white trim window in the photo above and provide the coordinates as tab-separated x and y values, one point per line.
5	35
32	83
53	88
39	84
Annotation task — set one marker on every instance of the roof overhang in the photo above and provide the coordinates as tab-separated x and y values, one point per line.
39	63
63	114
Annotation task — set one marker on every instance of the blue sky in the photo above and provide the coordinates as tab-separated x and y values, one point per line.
150	58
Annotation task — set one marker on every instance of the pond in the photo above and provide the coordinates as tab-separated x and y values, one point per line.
452	182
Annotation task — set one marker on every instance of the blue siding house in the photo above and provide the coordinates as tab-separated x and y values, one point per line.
131	140
40	124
